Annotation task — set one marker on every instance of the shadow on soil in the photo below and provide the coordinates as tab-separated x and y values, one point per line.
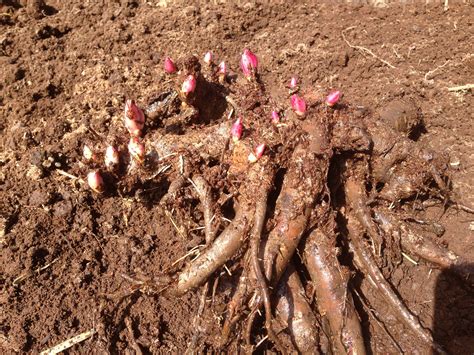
454	312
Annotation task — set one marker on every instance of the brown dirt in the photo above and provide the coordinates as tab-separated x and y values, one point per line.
68	68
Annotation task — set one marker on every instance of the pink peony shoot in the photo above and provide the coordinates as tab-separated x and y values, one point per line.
236	130
112	157
169	65
249	63
189	85
136	150
298	105
333	98
259	150
275	117
208	58
95	181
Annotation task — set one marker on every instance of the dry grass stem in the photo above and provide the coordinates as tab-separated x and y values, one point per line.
363	49
69	343
462	87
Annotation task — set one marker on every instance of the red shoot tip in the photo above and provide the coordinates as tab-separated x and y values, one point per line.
222	68
169	65
134	118
257	154
236	130
298	105
293	82
333	98
248	63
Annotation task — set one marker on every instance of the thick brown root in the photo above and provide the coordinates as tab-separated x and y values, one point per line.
211	259
294	311
260	215
424	247
235	307
333	297
302	186
366	263
232	238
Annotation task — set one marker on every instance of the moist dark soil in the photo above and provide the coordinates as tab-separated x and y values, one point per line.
70	258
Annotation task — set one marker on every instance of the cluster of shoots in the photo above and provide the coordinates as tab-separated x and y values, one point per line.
134	122
134	117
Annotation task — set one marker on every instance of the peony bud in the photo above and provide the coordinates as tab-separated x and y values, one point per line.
189	85
222	68
333	98
275	117
253	157
87	153
236	130
293	83
136	150
170	67
95	181
208	58
248	63
298	105
112	157
134	118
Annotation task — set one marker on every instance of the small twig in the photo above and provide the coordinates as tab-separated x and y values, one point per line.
462	87
68	343
180	232
431	72
70	176
194	250
24	276
227	269
261	341
159	172
409	258
363	49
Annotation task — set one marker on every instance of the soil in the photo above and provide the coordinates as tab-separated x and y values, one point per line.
70	258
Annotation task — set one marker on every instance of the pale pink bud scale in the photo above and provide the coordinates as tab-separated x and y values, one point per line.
208	58
111	157
134	118
248	63
169	65
87	153
293	83
95	181
136	149
333	98
275	117
298	105
189	84
236	130
222	68
259	150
